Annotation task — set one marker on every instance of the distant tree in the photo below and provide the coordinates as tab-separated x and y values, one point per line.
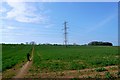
48	44
96	43
55	44
22	43
85	45
39	44
32	43
26	43
74	44
2	43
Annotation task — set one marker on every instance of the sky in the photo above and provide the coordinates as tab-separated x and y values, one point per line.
43	22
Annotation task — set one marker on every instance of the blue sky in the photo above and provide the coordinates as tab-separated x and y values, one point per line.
43	22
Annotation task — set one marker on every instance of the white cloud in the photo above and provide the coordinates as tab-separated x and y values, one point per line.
8	29
12	27
2	10
25	12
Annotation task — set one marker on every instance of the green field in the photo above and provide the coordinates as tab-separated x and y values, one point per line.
13	54
57	58
48	58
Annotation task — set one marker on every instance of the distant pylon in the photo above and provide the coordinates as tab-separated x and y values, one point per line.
65	33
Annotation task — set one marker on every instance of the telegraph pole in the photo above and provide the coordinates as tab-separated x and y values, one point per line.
65	33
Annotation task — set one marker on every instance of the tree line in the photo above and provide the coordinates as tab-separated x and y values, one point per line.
97	43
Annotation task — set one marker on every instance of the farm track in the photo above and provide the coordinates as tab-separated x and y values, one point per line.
25	67
76	73
0	75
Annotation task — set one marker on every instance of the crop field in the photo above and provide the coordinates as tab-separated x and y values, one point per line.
13	54
59	59
48	58
54	58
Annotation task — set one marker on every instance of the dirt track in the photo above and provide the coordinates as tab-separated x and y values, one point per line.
85	73
25	67
0	75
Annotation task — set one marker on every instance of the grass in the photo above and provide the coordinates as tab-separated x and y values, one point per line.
58	58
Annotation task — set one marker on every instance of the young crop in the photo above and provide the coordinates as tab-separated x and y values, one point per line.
55	58
13	54
100	69
108	75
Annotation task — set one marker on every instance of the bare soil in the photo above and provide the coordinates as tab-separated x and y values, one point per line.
19	70
85	73
0	75
25	67
23	70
